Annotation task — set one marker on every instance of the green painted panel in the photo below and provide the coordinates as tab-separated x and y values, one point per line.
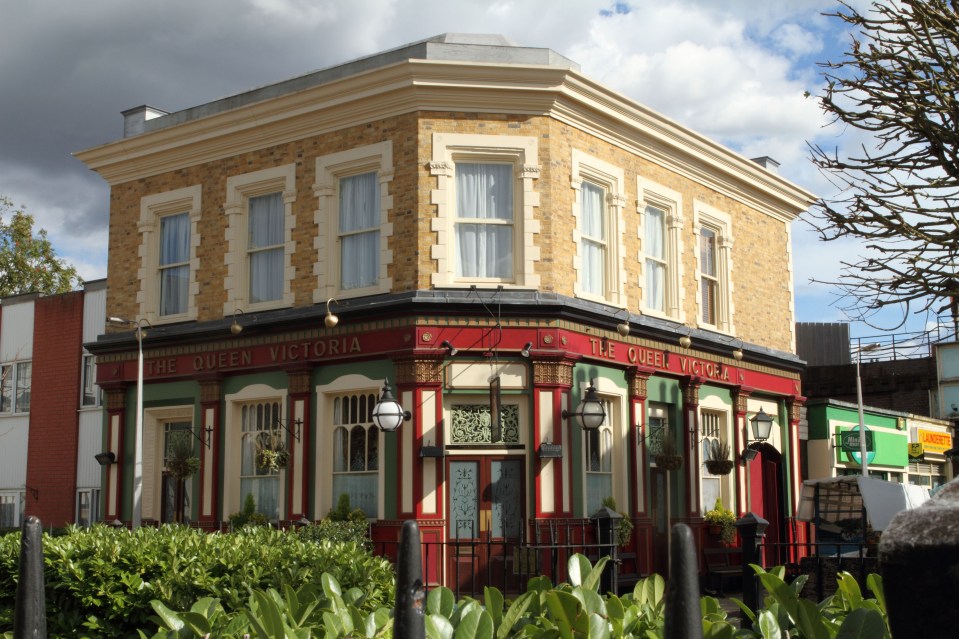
714	391
892	448
273	379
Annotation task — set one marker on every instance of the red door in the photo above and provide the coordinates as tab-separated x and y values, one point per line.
765	499
485	521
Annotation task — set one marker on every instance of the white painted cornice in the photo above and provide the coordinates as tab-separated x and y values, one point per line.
423	85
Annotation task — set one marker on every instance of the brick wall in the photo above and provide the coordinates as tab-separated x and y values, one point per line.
901	385
52	463
760	273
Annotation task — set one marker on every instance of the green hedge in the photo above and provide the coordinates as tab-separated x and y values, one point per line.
100	581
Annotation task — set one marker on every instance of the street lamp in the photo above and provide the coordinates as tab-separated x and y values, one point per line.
762	425
863	458
387	413
138	433
590	412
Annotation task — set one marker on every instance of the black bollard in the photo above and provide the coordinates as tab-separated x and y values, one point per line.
684	619
30	610
752	530
408	616
607	520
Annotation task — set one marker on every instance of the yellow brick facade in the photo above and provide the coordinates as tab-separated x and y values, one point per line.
760	273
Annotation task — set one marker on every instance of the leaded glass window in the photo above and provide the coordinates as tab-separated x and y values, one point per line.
356	451
471	424
259	426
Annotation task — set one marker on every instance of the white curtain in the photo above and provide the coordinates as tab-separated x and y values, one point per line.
359	231
592	228
707	266
655	249
174	263
266	214
484	192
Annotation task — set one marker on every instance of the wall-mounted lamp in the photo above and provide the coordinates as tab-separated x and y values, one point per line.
623	327
525	351
105	459
388	414
236	328
685	341
738	351
762	426
330	320
590	412
451	350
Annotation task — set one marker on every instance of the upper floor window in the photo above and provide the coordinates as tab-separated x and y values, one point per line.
90	390
709	280
359	232
169	225
259	208
174	267
356	451
352	191
661	234
713	268
593	234
485	201
15	387
265	248
597	208
484	227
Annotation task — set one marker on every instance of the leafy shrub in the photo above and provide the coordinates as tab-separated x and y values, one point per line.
248	516
307	611
100	581
342	524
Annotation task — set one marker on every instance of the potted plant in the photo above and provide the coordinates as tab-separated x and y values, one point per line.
181	463
721	521
624	526
666	455
718	460
271	452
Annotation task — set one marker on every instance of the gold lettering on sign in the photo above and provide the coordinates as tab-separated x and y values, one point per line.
702	368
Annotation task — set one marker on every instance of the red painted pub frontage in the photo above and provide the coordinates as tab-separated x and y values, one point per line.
493	450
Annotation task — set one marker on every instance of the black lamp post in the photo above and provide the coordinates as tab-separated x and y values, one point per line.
590	413
388	414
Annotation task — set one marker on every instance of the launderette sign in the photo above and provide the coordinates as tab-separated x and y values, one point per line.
934	441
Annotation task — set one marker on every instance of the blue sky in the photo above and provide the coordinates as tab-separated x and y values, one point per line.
736	71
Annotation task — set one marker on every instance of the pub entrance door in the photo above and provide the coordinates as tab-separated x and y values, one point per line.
486	506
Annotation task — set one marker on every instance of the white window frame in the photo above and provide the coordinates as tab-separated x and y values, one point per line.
720	223
610	178
614	400
88	377
20	500
239	190
330	169
371	397
154	421
152	208
233	445
13	371
670	202
351	384
93	495
713	408
522	153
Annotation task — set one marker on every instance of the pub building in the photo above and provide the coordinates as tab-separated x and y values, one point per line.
459	282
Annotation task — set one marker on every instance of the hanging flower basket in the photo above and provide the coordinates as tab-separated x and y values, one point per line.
272	460
668	462
719	466
271	452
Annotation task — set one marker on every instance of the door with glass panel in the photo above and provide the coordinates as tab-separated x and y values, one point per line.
486	508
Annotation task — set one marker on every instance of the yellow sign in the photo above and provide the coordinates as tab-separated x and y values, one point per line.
934	441
915	451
